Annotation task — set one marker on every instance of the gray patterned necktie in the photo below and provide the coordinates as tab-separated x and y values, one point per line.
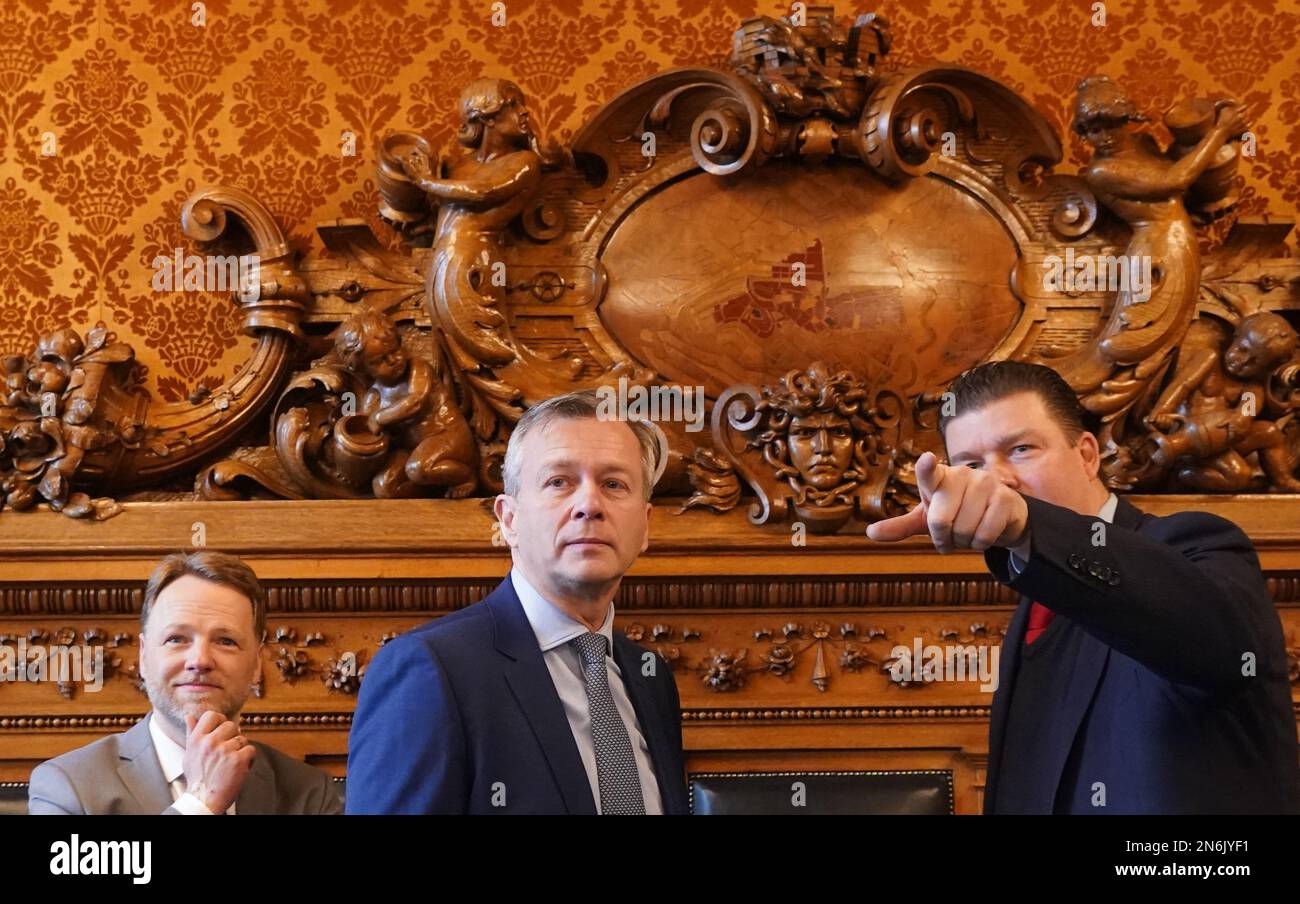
620	786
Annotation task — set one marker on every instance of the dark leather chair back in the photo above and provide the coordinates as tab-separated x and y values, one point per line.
926	793
13	798
754	793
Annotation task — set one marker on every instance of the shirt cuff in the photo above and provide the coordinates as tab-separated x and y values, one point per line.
189	805
1015	563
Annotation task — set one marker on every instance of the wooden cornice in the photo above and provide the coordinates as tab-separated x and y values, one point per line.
453	540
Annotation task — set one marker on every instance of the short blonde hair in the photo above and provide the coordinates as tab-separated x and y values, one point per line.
581	405
217	567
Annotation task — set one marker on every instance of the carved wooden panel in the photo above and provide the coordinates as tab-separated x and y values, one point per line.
814	233
810	231
818	625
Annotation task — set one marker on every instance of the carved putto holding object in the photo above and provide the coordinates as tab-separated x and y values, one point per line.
813	239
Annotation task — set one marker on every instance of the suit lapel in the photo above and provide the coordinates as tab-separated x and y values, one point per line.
628	657
1088	668
1008	665
142	775
530	682
1128	515
140	770
1078	697
1084	678
1086	675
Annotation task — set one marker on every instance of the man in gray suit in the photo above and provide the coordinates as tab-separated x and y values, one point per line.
201	629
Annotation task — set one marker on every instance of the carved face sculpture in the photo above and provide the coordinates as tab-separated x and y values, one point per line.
1103	137
495	104
1101	112
1262	343
383	357
199	650
821	447
512	122
368	343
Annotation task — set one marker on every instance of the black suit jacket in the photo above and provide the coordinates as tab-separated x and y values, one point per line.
1156	706
460	716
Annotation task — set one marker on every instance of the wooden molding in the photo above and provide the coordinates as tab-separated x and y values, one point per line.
452	539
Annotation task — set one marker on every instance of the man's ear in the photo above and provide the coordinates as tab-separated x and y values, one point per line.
645	541
504	508
1090	451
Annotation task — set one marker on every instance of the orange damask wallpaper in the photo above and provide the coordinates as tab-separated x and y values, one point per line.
111	113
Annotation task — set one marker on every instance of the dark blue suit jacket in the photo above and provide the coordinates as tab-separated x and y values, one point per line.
1156	705
459	712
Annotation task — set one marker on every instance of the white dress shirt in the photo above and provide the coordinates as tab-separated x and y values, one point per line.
1017	562
554	629
171	756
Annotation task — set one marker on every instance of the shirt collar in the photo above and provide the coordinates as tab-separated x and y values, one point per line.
171	756
552	626
1107	512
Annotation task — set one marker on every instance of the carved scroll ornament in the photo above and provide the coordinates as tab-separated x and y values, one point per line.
71	423
815	241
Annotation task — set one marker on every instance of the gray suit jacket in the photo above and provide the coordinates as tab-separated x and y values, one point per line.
120	776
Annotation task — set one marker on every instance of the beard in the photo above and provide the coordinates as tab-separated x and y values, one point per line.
163	699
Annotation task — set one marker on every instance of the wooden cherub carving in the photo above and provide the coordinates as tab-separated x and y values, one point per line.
1223	404
429	441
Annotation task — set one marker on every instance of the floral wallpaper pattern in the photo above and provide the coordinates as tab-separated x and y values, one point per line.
113	111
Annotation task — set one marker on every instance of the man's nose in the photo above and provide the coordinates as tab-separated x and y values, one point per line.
200	657
1005	473
821	441
587	501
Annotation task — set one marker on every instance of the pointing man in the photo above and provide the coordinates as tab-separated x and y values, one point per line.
1144	670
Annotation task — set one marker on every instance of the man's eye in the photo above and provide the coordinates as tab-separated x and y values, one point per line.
174	637
1022	447
614	484
227	641
555	482
973	465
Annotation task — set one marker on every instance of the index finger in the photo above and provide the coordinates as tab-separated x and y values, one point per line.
899	527
207	722
930	474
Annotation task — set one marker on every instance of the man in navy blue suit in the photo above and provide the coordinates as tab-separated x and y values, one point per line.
1144	670
529	701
